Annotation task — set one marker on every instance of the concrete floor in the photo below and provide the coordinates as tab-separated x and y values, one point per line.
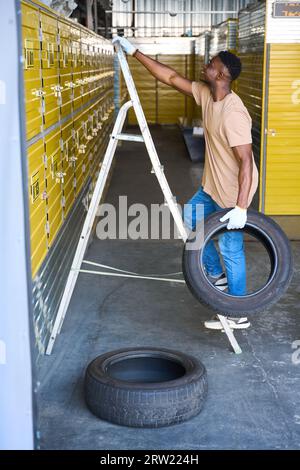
254	398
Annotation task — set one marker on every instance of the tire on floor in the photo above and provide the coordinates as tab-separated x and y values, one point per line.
278	247
145	387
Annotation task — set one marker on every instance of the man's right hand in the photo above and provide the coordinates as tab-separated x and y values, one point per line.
125	44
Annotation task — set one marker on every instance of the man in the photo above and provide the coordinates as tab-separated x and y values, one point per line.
230	177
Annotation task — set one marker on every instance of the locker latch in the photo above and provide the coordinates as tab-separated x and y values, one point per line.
82	148
60	177
57	90
38	93
271	132
70	84
73	160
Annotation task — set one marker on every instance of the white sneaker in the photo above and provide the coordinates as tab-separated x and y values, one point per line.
220	281
234	323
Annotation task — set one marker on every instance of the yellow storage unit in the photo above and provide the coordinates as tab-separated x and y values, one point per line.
65	67
170	103
280	147
69	162
94	71
80	150
32	70
85	71
54	177
37	204
75	38
50	68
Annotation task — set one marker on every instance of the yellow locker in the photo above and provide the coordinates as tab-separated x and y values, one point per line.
87	140
282	138
37	204
93	157
146	86
50	68
97	118
65	68
76	66
79	133
170	103
32	77
68	166
91	132
93	120
80	150
95	72
85	53
99	68
55	178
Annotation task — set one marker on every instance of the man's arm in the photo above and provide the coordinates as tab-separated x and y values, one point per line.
238	216
165	74
243	154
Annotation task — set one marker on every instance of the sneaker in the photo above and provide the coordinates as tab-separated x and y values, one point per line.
220	281
234	323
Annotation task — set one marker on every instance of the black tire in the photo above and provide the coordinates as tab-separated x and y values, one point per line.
278	248
145	387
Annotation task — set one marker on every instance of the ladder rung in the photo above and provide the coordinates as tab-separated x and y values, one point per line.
133	137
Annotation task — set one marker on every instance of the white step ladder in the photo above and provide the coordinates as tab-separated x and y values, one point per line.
98	191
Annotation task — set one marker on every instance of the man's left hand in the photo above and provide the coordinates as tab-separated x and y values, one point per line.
237	218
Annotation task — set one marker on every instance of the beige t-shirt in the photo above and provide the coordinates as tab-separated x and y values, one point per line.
226	124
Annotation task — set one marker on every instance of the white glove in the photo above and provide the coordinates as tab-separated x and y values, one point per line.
237	218
126	45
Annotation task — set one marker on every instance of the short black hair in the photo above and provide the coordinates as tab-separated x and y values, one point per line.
232	62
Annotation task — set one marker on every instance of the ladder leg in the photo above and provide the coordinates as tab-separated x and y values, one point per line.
230	335
88	225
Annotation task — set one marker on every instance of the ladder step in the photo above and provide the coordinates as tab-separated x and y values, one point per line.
132	137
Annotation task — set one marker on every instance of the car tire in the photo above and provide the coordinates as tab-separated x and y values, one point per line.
145	387
278	248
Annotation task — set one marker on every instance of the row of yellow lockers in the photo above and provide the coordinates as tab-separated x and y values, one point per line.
65	66
69	104
59	164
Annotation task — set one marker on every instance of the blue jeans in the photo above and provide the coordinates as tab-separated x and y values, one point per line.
231	244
